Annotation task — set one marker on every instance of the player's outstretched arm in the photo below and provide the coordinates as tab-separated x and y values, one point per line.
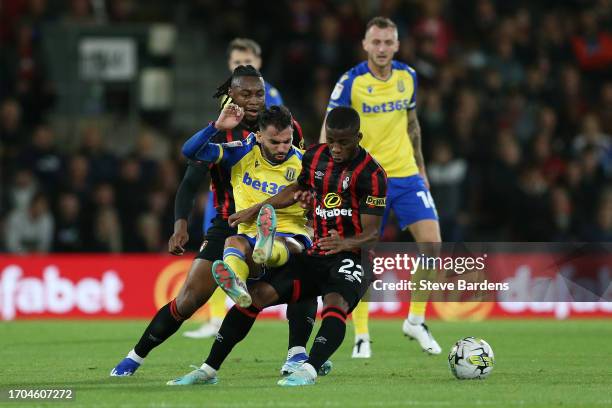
183	203
196	147
333	243
289	196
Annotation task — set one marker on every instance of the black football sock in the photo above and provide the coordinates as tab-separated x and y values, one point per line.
301	318
235	327
329	337
166	322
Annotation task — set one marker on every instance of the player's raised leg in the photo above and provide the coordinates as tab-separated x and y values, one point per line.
232	273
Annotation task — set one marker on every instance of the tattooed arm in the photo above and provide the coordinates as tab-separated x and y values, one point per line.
414	132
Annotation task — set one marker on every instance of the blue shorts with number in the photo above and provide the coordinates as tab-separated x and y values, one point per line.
410	200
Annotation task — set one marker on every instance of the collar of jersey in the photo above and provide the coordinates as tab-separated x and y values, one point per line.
375	77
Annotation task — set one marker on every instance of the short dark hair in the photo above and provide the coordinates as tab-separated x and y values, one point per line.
244	44
277	116
380	22
343	118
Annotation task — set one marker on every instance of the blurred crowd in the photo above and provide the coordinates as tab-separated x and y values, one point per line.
514	99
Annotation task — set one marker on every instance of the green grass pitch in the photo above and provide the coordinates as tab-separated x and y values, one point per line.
538	363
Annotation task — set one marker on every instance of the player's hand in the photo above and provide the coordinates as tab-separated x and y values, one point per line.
245	215
304	197
230	117
177	241
333	243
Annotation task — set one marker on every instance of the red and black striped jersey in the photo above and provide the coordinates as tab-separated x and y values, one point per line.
342	191
223	197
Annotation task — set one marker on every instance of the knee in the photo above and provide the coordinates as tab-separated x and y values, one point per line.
335	300
263	295
189	300
235	242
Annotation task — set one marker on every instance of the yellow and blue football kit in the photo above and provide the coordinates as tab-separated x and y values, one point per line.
254	179
383	108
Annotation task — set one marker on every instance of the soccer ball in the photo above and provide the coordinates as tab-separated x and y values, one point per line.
471	358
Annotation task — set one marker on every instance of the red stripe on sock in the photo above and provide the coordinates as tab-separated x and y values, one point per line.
174	311
329	309
297	289
334	314
247	312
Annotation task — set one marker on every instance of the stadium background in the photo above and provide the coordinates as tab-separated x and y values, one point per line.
96	97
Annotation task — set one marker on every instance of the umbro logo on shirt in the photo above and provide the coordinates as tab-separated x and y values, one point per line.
319	174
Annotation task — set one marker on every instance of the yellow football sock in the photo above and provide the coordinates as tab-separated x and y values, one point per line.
217	304
235	259
361	315
419	298
280	254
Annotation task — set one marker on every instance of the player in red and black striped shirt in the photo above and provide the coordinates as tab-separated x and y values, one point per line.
346	189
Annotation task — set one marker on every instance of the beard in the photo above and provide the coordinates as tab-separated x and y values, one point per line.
271	157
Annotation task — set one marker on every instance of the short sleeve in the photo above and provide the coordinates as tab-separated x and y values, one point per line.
273	96
415	85
341	95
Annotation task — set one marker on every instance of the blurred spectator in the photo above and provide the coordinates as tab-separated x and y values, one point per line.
446	177
22	63
562	215
592	135
80	12
131	198
77	179
12	135
106	232
30	230
434	27
501	184
68	236
103	226
601	229
592	47
22	190
148	234
531	217
551	166
43	158
604	107
102	163
330	51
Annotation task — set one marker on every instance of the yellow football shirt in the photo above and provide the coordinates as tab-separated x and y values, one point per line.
254	179
383	108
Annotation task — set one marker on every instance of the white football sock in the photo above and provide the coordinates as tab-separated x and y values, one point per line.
132	354
208	369
295	350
